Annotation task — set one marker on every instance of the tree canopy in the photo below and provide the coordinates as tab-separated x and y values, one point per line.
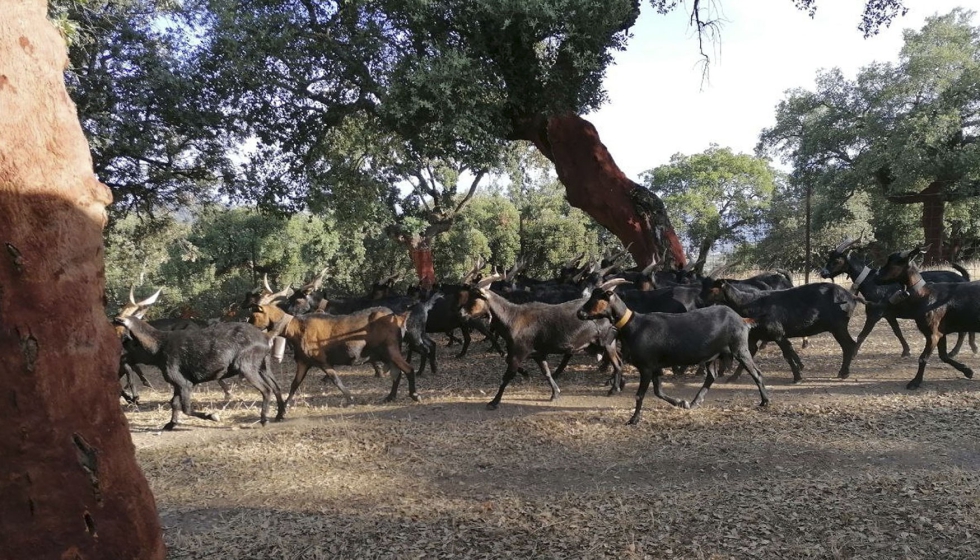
715	196
908	131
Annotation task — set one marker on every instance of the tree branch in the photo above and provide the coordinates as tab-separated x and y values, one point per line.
469	195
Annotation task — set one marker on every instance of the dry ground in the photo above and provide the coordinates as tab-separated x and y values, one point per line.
859	468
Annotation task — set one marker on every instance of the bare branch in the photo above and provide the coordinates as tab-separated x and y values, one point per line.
469	195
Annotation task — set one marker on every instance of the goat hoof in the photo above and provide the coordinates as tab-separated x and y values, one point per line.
843	375
388	399
169	426
492	406
906	354
633	421
685	405
415	397
764	404
797	380
214	417
968	373
913	385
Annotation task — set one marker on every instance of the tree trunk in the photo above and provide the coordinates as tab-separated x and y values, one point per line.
703	254
70	486
421	254
595	184
933	210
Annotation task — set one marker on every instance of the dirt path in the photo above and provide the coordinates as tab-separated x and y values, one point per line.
838	469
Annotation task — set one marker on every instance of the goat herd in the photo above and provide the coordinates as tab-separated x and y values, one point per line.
652	319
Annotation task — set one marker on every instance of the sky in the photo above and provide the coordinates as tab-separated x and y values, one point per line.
659	105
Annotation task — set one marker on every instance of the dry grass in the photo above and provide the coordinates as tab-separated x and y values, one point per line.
859	468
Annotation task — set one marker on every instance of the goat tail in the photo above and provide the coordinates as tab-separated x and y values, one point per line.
266	367
961	270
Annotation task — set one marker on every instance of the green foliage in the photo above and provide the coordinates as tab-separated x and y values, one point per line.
153	138
715	196
897	132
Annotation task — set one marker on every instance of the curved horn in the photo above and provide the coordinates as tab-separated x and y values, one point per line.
265	283
485	282
150	300
132	299
612	284
844	245
318	282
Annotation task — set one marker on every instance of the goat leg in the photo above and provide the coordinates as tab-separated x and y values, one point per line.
335	379
947	357
543	365
931	342
512	367
906	351
956	347
848	349
709	378
561	366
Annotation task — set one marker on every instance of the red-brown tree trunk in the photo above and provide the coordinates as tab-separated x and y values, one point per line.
595	184
421	254
70	486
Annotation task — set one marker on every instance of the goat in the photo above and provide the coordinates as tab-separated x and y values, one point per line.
654	341
190	357
938	309
325	341
802	311
842	260
415	332
536	330
133	355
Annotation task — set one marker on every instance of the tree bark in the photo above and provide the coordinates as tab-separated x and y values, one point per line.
595	184
933	212
421	255
70	486
703	251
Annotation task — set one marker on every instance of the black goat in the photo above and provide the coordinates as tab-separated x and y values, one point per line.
802	311
938	309
190	357
536	330
415	333
444	317
133	355
654	341
842	260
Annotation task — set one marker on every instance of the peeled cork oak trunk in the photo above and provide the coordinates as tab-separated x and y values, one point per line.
70	486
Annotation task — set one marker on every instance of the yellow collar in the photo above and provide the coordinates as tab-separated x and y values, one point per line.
625	319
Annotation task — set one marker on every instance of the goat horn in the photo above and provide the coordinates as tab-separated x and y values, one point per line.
132	299
844	245
265	283
489	280
611	285
150	300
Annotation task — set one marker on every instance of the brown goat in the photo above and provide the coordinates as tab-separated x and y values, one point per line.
325	341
